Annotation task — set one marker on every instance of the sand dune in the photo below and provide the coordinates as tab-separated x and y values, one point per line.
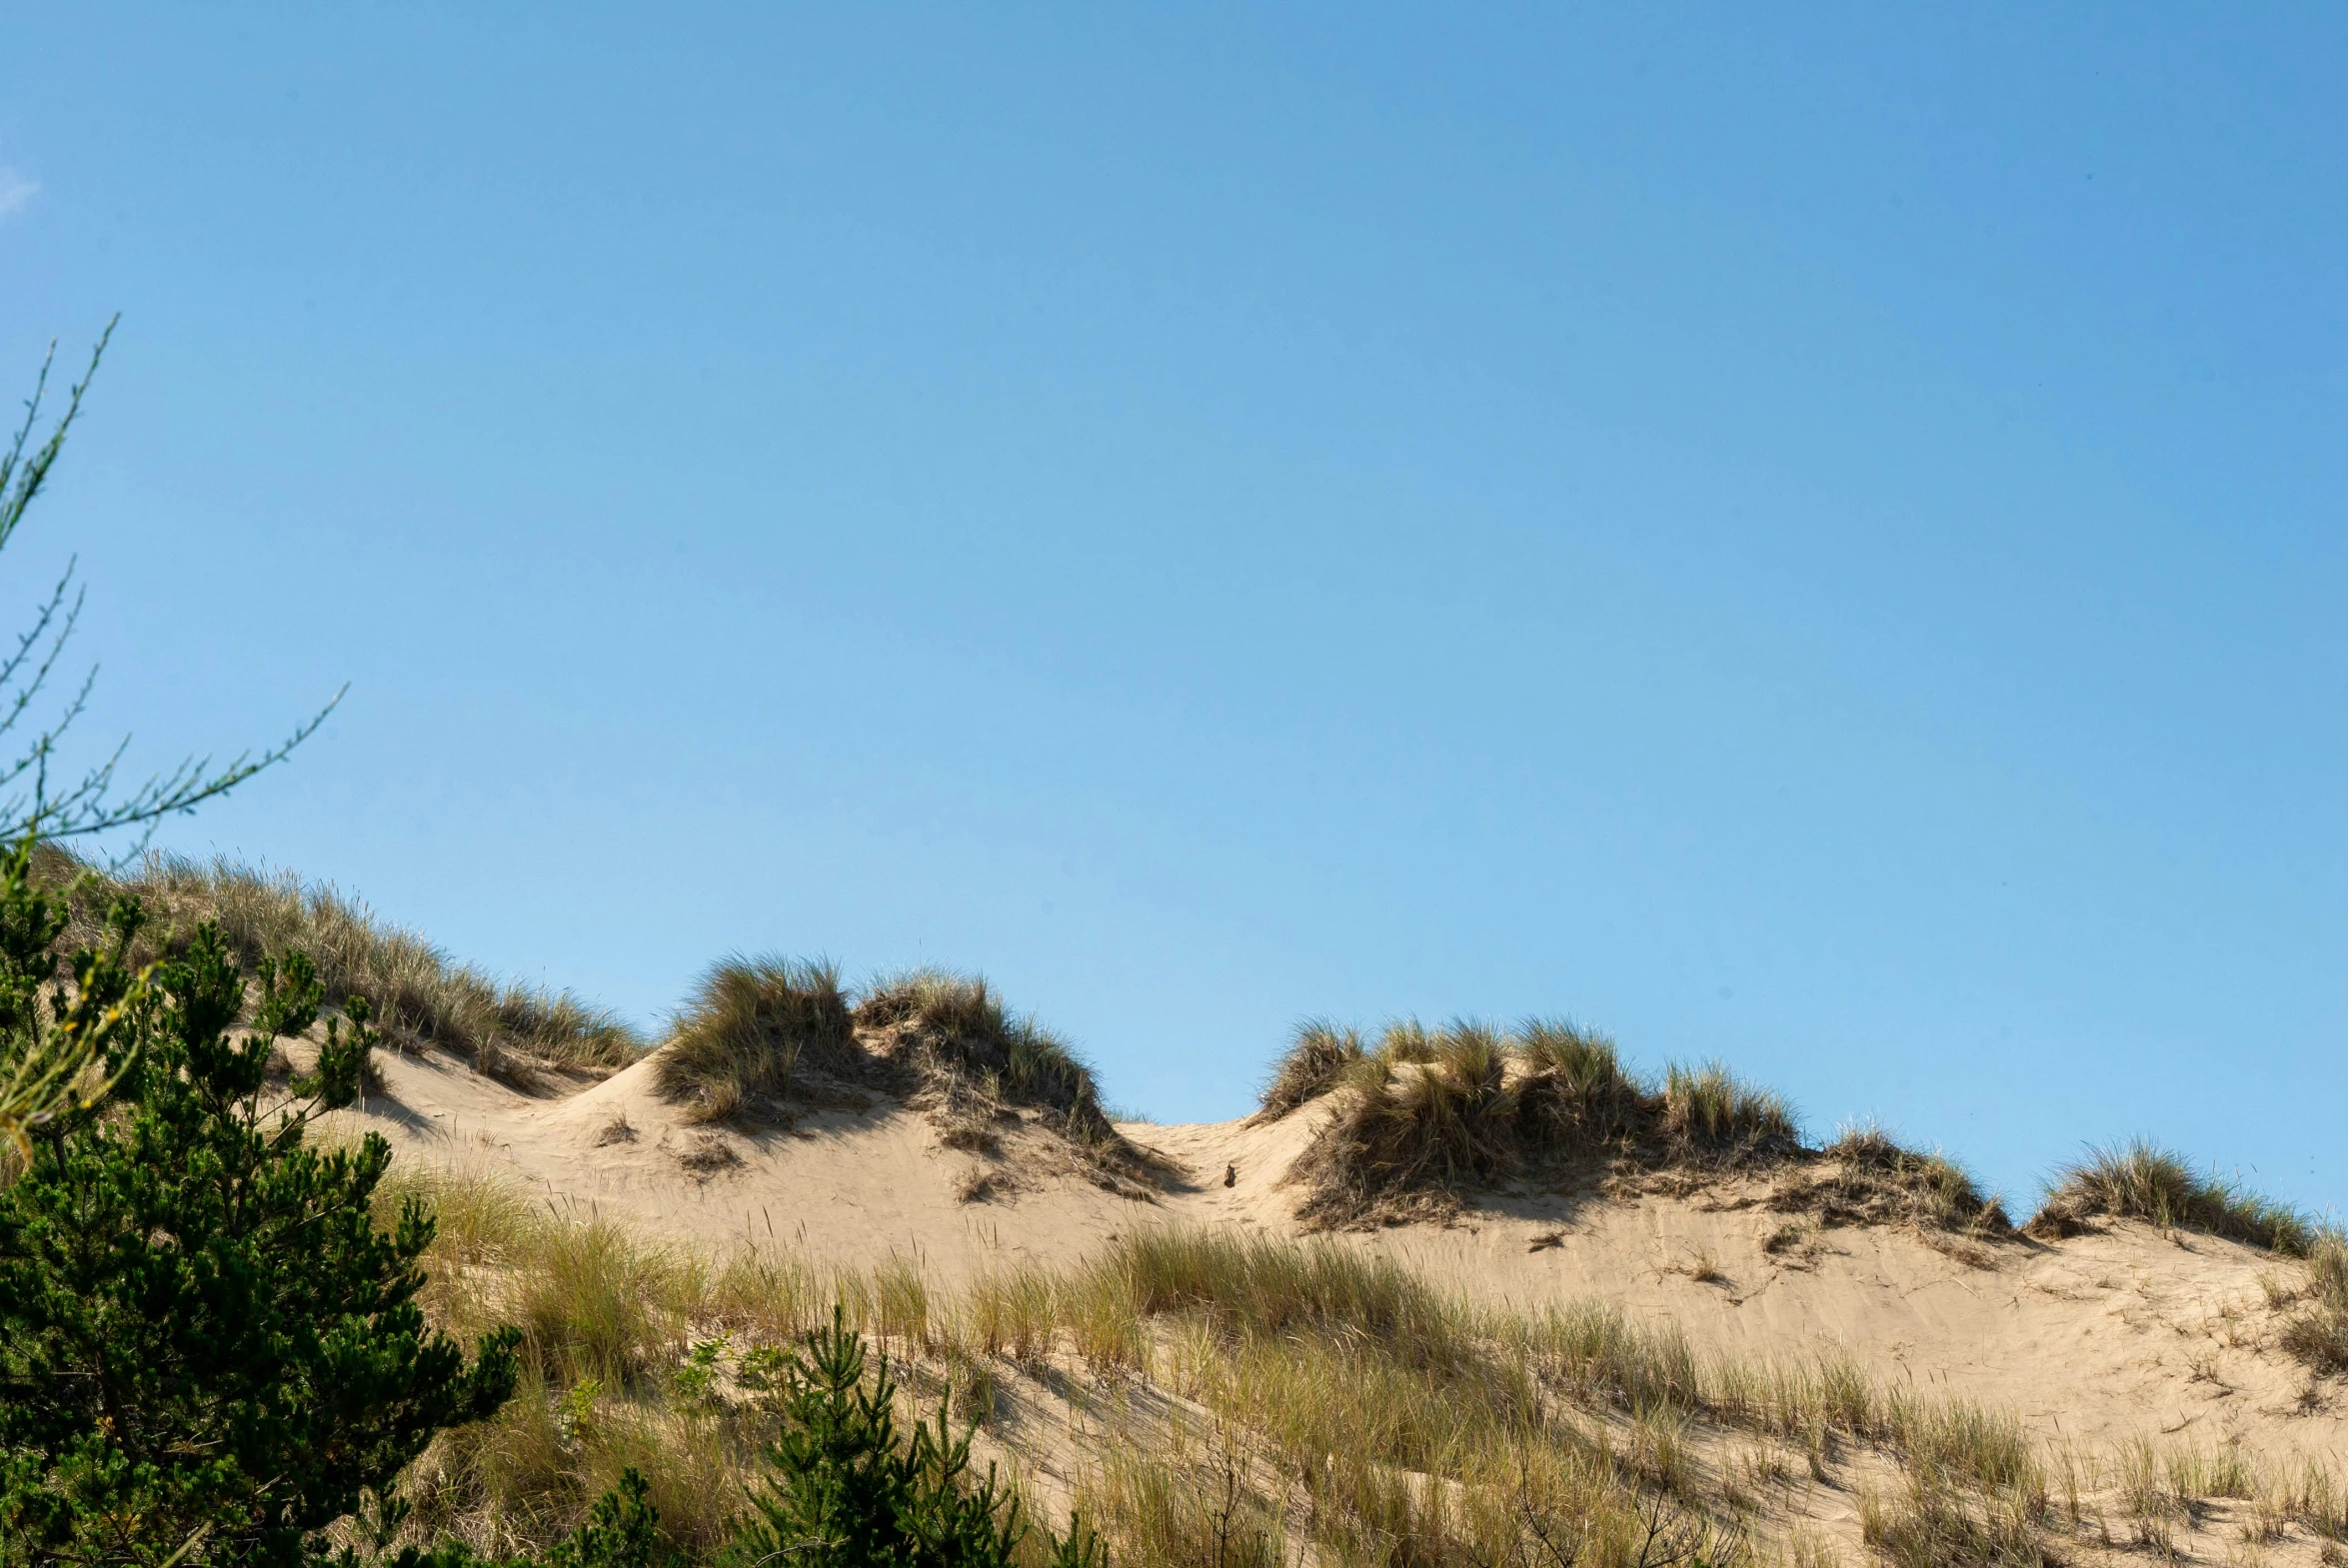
2098	1338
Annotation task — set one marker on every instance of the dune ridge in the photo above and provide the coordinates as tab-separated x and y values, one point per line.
1837	1343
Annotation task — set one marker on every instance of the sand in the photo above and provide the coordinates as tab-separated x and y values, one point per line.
2097	1339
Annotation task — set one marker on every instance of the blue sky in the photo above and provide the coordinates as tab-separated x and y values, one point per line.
1813	537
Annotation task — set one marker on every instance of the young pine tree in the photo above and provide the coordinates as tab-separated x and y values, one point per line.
39	797
207	1348
843	1490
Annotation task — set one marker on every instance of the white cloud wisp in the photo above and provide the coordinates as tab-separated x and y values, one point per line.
15	191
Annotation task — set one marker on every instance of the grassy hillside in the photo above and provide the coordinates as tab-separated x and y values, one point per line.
421	998
1211	1396
1207	1398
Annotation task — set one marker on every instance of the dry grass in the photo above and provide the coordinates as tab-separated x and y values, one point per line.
1932	1523
1309	1068
1264	1288
1214	1399
2318	1333
610	1374
746	1028
1199	1506
954	1030
1353	1414
765	1036
2141	1180
419	997
1428	1115
1872	1179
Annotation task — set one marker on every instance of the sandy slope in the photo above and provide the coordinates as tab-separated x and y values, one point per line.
2098	1338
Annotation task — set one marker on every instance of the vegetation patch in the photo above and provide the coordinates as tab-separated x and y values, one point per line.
1211	1398
951	1030
1418	1120
209	1349
1309	1068
757	1029
2318	1333
770	1038
2141	1180
1870	1179
1425	1118
420	996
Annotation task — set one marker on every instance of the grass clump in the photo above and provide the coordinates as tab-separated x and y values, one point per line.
1575	1092
1257	1286
1933	1523
747	1027
952	1028
765	1035
1203	1510
1427	1115
418	995
1705	1107
1309	1068
2141	1180
1876	1181
1422	1112
1353	1413
607	1360
2318	1333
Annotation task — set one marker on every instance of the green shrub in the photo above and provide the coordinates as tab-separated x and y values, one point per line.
843	1490
42	1073
622	1530
210	1352
207	1350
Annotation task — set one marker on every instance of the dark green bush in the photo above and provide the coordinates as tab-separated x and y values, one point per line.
844	1490
41	1070
207	1349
